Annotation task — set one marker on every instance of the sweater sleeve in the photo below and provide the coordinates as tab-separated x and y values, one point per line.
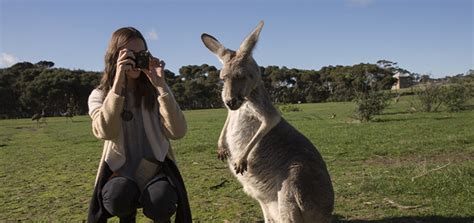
172	118
105	114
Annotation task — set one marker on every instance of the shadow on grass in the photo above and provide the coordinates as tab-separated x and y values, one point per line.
409	219
468	107
396	113
412	119
72	121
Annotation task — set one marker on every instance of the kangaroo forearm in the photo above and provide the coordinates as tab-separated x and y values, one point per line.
222	140
264	128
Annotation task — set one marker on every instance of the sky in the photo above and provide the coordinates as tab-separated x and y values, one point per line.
432	37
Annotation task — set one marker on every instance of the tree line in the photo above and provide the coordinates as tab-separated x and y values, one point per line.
27	88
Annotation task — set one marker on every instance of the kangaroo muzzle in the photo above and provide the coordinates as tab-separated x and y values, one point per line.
235	103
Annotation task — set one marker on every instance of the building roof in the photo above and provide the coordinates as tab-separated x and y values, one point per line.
400	74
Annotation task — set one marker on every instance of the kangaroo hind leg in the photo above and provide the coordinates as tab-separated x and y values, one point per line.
267	215
288	208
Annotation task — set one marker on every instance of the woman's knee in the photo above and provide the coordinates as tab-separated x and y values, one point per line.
120	196
159	201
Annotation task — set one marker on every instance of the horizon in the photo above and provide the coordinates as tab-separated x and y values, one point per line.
425	37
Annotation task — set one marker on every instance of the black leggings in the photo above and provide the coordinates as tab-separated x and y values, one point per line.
121	198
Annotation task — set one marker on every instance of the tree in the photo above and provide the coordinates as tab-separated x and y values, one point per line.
386	64
425	78
429	96
44	64
369	97
27	88
370	103
455	96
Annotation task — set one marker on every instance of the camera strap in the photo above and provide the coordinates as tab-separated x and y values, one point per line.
127	115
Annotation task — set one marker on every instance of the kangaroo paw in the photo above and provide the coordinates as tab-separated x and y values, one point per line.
222	153
241	166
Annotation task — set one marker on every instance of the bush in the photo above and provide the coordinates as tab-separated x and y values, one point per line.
455	96
370	103
430	97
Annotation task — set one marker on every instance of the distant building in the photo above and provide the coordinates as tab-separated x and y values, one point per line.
404	80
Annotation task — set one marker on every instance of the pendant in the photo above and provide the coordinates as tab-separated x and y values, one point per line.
127	115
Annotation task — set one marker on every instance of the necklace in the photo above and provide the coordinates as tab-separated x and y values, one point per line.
127	115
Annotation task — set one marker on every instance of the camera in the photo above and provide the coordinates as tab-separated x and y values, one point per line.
142	59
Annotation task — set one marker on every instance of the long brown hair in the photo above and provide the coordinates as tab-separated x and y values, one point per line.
144	88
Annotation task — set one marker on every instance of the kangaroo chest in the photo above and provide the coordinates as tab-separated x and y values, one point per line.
242	126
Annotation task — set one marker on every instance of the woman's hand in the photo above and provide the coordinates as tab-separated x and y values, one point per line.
124	64
156	74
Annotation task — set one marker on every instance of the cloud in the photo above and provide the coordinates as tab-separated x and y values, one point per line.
152	35
7	60
359	3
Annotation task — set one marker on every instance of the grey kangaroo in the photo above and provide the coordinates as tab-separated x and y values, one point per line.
276	164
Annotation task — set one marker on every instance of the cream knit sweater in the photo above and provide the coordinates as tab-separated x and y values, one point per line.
160	125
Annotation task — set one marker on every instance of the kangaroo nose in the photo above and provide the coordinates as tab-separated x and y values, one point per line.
231	103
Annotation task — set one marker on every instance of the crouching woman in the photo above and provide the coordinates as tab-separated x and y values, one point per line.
134	111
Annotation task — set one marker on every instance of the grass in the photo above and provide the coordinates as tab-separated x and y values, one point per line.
422	160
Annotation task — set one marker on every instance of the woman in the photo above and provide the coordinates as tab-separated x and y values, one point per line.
134	111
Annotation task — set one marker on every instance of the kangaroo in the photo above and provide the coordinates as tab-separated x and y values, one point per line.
276	164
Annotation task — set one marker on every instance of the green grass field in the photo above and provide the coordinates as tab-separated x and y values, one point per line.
402	167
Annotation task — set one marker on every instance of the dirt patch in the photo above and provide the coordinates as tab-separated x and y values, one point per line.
457	157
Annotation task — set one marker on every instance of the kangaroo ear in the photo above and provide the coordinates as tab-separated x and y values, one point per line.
249	43
215	47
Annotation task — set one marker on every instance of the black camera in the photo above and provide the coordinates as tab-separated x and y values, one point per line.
142	59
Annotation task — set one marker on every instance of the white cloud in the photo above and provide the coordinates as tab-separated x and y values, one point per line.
152	35
359	3
7	60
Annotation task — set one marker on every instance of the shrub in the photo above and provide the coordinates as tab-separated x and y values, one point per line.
370	103
455	96
429	96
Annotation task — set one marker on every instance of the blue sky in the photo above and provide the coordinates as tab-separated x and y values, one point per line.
424	36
